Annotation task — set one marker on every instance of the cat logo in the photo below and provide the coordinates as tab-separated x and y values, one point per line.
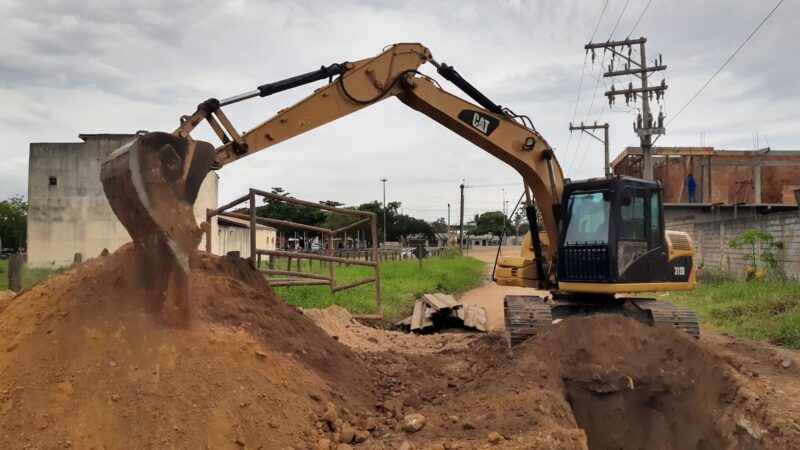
481	122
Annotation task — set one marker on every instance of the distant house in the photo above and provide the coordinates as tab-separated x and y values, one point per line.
234	236
481	240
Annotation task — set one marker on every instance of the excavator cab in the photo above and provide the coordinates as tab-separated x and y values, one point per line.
612	240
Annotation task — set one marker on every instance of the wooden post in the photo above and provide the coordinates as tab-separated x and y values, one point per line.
15	272
330	263
374	231
298	263
253	228
289	264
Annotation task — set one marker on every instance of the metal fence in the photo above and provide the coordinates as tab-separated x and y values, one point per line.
297	277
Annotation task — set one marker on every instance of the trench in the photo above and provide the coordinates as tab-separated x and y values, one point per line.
652	417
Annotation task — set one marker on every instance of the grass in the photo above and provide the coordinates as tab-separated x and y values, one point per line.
30	276
758	310
402	282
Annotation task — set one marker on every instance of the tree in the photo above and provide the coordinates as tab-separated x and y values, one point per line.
276	209
439	225
13	223
491	222
519	219
760	246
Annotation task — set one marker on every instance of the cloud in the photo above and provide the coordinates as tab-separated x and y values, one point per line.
97	66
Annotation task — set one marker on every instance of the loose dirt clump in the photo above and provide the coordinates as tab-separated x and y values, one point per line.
87	361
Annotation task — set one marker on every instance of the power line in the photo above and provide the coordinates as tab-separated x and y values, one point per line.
597	84
725	63
640	18
583	72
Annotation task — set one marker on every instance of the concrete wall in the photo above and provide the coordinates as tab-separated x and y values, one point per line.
237	239
73	215
712	239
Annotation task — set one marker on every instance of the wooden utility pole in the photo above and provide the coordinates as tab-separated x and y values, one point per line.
645	126
461	223
585	129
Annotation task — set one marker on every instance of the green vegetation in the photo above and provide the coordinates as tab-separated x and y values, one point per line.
760	246
29	276
492	222
758	310
13	223
399	227
402	283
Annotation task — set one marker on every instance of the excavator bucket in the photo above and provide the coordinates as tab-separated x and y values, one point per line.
151	185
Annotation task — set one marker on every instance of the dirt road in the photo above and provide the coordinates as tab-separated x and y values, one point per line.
490	295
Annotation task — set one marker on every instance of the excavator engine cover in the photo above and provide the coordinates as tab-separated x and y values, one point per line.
151	185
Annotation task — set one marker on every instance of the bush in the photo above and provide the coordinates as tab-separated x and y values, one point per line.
760	246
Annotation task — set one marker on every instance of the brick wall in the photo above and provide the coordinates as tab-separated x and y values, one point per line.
711	239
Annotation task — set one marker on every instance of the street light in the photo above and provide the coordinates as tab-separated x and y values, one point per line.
384	180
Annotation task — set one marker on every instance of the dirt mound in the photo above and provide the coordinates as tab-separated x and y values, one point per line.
86	361
5	298
600	382
662	389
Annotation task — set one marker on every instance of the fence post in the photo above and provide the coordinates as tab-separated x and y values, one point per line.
376	257
253	228
15	272
330	263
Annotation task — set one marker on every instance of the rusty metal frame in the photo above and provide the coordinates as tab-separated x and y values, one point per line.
299	278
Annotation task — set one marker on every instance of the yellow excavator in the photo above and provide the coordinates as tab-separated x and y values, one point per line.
601	239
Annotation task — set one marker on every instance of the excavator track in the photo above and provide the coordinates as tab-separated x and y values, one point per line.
666	313
526	315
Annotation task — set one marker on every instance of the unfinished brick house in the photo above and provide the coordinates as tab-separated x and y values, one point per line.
723	177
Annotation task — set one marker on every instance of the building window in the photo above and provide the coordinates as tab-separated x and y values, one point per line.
53	181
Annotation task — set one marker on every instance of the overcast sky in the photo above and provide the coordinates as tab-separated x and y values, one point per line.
70	67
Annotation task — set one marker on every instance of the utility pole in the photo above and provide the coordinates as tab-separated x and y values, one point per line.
384	211
645	126
585	129
461	224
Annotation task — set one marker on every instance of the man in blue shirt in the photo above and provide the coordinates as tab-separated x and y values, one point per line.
692	186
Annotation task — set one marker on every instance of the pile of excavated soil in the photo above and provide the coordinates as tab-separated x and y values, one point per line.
600	382
87	361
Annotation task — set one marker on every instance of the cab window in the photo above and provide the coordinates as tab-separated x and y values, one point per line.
588	215
632	223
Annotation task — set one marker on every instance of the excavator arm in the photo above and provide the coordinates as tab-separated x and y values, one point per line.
152	183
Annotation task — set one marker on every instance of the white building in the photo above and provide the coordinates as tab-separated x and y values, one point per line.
68	212
234	236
